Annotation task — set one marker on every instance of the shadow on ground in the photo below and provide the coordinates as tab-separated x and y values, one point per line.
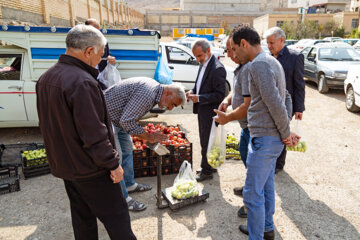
313	218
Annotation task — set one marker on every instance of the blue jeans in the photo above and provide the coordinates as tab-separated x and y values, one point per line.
124	146
259	190
244	144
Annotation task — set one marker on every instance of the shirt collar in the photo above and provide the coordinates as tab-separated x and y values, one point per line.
237	69
206	63
67	59
282	52
159	94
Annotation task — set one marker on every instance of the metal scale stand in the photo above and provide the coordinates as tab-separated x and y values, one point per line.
163	196
160	150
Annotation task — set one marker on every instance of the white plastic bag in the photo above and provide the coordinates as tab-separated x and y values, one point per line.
216	148
185	184
301	146
109	76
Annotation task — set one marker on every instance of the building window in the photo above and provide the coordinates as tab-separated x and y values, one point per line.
279	23
355	23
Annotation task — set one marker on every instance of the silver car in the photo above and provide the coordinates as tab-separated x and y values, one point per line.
327	64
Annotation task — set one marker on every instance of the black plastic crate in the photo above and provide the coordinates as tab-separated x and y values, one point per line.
36	166
182	153
140	154
10	153
166	160
30	172
166	170
141	172
9	180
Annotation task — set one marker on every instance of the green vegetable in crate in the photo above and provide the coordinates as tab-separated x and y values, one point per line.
231	139
231	151
38	153
185	190
215	157
300	147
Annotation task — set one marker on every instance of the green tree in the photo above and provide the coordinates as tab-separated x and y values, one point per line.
330	28
289	30
354	33
339	32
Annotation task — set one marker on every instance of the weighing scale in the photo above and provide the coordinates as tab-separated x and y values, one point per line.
163	196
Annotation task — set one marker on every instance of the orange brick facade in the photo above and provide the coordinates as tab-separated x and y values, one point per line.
70	12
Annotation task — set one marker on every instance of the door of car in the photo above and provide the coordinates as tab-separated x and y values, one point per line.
12	106
356	86
305	52
183	64
310	66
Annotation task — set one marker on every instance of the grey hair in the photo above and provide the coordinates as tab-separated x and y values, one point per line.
178	91
203	43
82	36
278	32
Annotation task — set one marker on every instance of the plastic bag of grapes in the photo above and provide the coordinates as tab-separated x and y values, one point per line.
185	184
301	146
216	151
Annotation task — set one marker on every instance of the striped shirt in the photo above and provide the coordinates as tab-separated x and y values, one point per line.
131	99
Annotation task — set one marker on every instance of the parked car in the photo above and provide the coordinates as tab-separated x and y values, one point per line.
289	42
299	46
352	89
223	43
327	64
351	41
31	52
334	39
189	41
307	43
357	46
181	60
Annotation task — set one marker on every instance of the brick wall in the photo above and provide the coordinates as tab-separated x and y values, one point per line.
69	12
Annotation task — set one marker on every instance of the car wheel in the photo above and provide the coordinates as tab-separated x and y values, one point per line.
350	101
322	85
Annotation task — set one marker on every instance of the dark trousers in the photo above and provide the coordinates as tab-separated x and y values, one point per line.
102	199
280	162
205	122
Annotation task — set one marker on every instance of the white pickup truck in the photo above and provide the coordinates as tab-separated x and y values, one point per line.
30	51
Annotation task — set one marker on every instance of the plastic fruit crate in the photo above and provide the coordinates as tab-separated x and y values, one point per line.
36	166
141	172
9	153
9	180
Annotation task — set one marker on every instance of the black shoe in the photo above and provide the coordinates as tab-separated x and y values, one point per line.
238	191
202	177
242	212
214	170
270	235
277	170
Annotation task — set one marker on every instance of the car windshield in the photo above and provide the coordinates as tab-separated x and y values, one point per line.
338	54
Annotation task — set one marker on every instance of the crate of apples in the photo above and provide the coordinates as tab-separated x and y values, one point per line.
176	137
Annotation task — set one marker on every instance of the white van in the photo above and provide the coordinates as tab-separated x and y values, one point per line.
30	51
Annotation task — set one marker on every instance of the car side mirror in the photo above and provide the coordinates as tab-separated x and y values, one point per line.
194	62
312	59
